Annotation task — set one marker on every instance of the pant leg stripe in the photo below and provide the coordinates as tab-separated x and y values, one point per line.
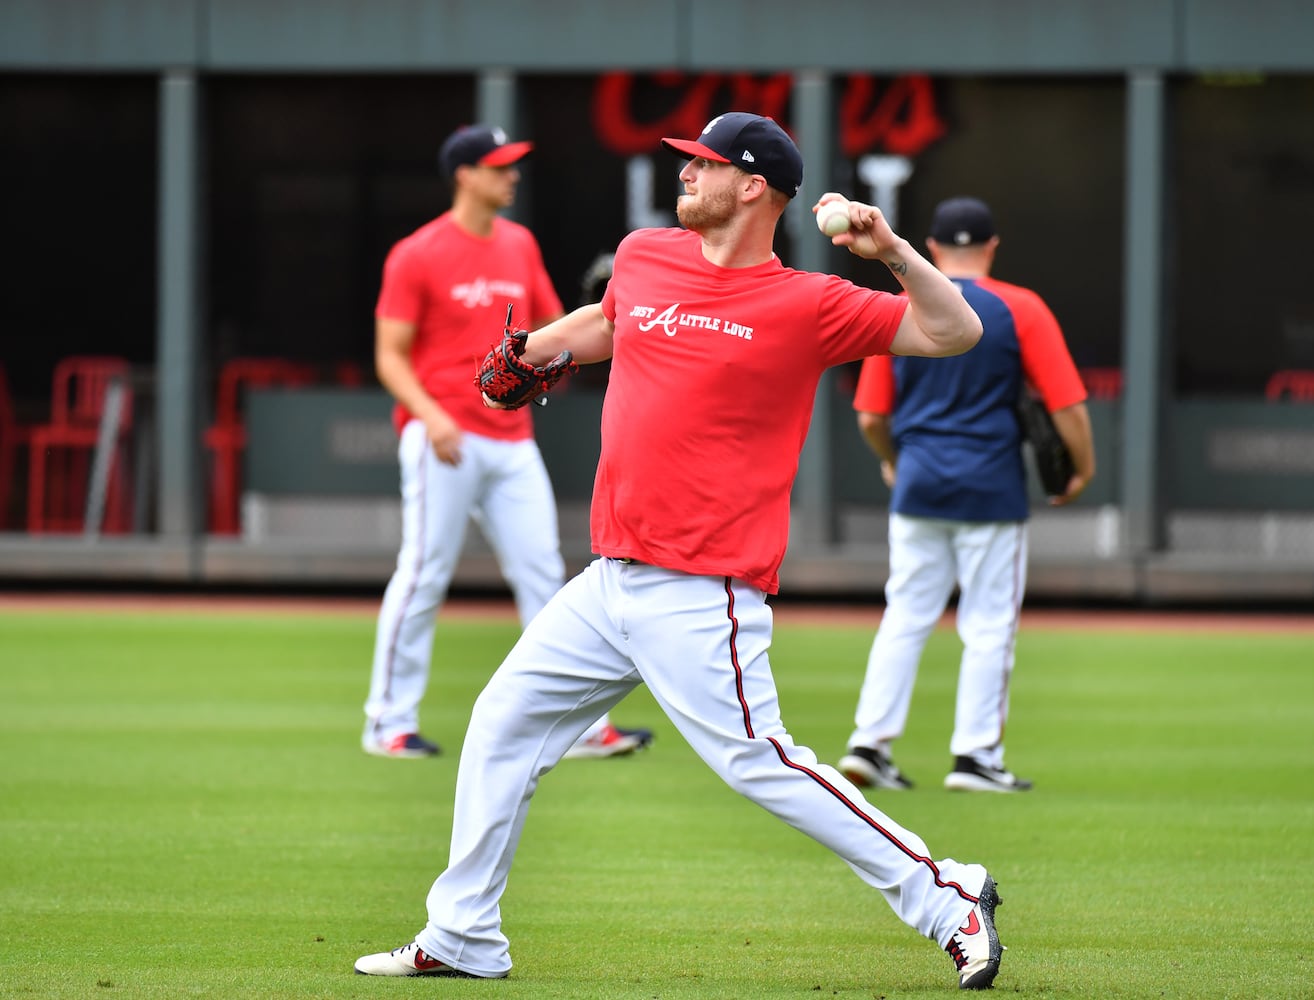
848	804
822	782
734	655
415	579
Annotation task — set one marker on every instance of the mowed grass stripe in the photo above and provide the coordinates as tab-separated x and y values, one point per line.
185	811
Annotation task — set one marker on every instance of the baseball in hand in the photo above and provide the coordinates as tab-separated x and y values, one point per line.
833	218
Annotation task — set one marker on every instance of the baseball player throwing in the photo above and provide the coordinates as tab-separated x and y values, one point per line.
707	331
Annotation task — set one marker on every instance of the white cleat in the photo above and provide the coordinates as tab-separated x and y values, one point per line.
975	946
408	960
609	742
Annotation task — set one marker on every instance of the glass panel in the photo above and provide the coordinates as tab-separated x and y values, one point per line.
1242	207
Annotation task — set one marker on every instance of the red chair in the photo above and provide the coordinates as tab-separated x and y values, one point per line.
1102	383
348	374
13	436
1294	383
61	452
226	437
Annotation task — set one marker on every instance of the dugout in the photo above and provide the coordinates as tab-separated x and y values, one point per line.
194	182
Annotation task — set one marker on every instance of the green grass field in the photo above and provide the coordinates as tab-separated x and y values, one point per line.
185	812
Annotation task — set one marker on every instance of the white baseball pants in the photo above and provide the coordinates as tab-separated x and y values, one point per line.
504	487
700	644
988	561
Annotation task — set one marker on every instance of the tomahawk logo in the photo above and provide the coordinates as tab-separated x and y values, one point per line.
666	318
484	291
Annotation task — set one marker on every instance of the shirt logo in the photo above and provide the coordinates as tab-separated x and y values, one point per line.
483	292
671	321
666	320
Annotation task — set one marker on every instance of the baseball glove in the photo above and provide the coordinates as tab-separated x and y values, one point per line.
1053	463
504	378
594	283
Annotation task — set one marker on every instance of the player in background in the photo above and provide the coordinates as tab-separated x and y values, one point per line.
444	288
950	449
707	330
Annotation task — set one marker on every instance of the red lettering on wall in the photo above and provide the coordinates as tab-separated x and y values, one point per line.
901	119
617	122
897	116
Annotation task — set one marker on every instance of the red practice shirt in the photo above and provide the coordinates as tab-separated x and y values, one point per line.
713	375
455	288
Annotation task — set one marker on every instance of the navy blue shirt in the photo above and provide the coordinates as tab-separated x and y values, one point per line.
954	425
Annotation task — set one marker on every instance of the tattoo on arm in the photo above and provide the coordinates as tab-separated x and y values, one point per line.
897	266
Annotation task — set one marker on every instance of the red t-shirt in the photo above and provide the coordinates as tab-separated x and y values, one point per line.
455	287
713	375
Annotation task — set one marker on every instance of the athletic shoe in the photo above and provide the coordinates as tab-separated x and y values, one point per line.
607	742
970	776
408	960
404	745
868	768
644	736
975	946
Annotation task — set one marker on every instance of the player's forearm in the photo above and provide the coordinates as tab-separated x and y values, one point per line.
875	430
398	377
585	332
945	324
1073	426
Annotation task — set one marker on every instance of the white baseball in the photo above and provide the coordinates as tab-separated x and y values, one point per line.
833	218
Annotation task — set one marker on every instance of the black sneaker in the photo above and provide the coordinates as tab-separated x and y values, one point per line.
970	776
868	768
975	946
408	745
643	736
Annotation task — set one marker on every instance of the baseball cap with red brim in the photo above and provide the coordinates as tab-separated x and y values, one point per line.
480	146
753	143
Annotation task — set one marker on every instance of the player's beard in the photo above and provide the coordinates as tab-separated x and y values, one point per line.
711	210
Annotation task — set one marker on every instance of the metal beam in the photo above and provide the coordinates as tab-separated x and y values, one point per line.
1143	329
497	102
814	516
178	334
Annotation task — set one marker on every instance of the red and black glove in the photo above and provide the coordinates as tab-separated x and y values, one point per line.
505	379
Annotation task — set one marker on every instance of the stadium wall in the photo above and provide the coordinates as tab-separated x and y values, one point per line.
1109	124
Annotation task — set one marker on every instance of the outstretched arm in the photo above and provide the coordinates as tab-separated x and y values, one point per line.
585	333
939	322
